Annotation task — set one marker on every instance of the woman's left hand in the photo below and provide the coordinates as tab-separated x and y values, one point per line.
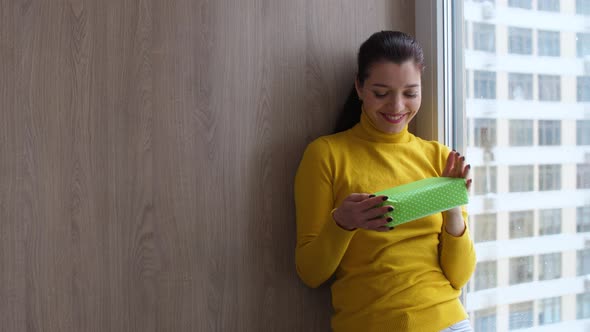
456	168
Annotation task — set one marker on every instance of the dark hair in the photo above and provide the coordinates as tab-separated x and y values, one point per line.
393	46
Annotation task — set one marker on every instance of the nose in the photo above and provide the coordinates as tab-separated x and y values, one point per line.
396	102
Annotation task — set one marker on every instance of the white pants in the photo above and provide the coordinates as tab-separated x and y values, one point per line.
462	326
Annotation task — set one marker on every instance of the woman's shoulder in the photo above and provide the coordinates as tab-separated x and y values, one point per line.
432	146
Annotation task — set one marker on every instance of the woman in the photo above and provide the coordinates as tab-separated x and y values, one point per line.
403	279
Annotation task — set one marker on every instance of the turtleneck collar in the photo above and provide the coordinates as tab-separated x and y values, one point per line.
365	129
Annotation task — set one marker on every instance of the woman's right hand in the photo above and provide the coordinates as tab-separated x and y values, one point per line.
362	211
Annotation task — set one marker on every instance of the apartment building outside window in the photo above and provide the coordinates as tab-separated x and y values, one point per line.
485	320
484	132
521	224
583	261
583	88
550	266
583	305
548	43
549	221
583	7
583	176
549	177
525	4
485	275
548	5
549	310
521	178
583	132
520	41
484	37
521	132
582	44
549	87
521	315
583	219
487	180
520	86
484	84
549	132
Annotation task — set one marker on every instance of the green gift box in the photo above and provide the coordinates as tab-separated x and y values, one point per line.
425	197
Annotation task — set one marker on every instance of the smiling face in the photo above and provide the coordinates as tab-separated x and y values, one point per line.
391	95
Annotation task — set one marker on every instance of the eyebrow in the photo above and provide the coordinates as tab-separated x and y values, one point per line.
386	86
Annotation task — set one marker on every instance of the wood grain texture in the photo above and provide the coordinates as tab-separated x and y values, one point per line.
148	154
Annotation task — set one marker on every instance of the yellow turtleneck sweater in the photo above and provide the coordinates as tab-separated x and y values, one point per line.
407	279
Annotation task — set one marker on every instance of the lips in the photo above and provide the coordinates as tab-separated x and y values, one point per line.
393	118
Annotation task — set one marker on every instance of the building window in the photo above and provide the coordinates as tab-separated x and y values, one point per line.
520	41
549	132
521	224
520	86
549	88
583	219
521	269
486	180
550	266
485	320
582	44
549	310
549	221
583	88
583	305
583	132
548	43
548	5
484	84
484	227
521	133
484	37
526	4
485	132
485	275
583	176
521	315
549	177
521	178
583	262
583	7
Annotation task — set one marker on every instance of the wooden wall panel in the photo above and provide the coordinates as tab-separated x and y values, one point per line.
148	150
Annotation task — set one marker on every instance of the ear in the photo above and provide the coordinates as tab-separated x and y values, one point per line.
359	88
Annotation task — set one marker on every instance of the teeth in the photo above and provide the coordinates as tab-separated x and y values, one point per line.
393	117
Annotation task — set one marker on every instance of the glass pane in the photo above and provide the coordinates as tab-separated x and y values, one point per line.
527	116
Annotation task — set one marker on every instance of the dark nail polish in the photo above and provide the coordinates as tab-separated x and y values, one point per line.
462	158
391	228
390	209
371	196
389	219
468	166
385	198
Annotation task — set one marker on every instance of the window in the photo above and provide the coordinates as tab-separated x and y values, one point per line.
526	4
583	219
484	227
467	86
486	180
549	221
521	315
521	178
485	132
584	89
521	224
549	310
548	5
485	275
521	132
583	132
484	37
484	84
582	44
520	41
550	266
583	176
583	7
583	305
549	88
549	132
520	86
548	43
583	262
549	177
485	320
521	270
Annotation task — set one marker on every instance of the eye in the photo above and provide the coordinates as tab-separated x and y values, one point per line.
380	95
411	95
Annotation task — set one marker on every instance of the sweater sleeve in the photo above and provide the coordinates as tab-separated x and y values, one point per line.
321	243
457	255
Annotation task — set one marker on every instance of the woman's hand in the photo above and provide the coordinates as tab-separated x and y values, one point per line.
361	211
456	168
